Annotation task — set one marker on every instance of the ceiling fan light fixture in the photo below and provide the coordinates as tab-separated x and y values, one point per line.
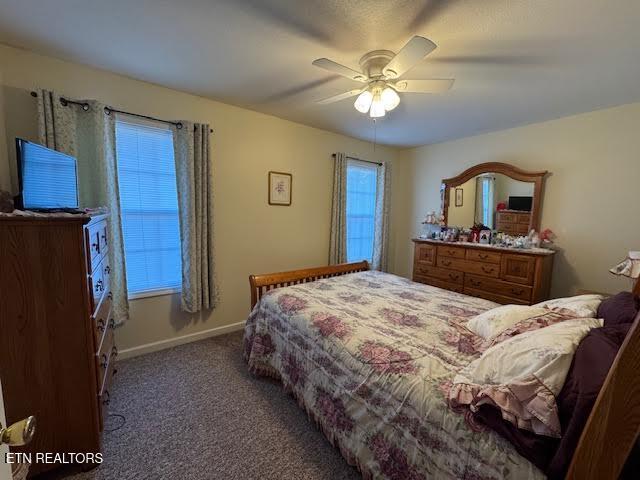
363	102
390	99
377	107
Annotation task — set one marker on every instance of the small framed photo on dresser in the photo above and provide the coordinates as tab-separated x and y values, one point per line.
280	188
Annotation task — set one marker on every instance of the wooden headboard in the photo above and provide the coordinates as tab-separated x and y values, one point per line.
260	284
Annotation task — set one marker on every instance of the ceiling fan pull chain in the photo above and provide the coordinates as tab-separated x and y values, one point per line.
375	135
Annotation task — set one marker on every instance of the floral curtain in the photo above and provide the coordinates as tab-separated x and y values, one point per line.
338	236
381	228
88	134
195	201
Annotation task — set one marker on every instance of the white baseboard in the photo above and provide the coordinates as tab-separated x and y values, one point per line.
173	342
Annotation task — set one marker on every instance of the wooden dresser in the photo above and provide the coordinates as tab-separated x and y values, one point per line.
498	274
513	222
57	351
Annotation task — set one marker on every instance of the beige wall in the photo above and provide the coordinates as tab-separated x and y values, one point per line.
590	197
250	236
462	216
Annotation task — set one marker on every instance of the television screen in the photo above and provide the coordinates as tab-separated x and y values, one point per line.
522	204
48	179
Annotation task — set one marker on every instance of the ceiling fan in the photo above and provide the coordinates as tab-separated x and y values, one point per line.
381	71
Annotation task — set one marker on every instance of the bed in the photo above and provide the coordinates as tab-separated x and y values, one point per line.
370	356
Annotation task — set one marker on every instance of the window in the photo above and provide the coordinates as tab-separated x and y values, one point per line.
149	203
487	201
361	210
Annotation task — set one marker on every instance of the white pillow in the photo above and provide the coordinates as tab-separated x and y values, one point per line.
495	321
523	375
583	306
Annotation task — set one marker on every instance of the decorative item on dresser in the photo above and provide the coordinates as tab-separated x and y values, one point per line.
499	274
57	350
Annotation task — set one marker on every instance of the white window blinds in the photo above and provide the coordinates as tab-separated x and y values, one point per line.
361	209
149	203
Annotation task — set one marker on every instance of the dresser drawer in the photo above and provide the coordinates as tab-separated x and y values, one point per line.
101	319
104	395
517	268
104	354
441	274
523	218
93	234
515	291
104	239
470	266
99	282
482	256
436	282
507	217
424	254
451	252
493	297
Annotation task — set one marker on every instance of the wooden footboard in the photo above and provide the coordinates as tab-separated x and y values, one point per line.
614	423
263	283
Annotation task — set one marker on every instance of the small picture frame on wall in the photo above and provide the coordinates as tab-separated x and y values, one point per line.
280	188
459	197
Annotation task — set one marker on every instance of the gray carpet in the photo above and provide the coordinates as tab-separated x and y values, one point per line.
194	412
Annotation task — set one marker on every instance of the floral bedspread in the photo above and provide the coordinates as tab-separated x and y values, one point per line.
371	357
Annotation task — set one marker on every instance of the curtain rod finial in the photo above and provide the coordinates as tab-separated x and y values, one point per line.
34	94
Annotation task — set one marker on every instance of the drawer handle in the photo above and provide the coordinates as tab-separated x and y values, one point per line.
475	283
112	324
106	400
105	360
114	351
101	325
451	252
104	238
487	269
446	263
517	292
107	269
99	286
110	295
95	246
483	256
453	276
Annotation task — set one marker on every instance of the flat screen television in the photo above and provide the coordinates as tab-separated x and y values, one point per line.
522	204
48	180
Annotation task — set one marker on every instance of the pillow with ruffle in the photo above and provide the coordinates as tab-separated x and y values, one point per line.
523	375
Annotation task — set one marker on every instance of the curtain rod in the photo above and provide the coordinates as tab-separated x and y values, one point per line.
109	110
359	160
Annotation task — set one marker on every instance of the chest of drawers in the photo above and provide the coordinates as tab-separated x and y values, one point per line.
57	349
501	275
513	222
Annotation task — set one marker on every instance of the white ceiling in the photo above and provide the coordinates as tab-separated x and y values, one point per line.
514	61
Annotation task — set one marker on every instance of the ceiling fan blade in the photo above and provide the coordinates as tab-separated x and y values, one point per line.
415	50
341	96
340	69
424	86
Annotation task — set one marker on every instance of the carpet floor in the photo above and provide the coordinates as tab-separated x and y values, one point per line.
194	412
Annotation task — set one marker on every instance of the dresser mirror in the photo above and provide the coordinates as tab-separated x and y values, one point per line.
498	195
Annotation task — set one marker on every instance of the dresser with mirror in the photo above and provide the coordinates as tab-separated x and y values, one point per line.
504	199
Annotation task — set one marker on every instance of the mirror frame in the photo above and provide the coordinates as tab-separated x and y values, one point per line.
537	178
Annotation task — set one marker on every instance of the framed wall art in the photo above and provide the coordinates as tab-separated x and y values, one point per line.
280	188
459	196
